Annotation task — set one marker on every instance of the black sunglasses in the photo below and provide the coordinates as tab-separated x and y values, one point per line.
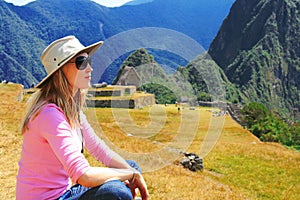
82	62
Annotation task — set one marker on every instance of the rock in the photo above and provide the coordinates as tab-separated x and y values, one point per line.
192	161
99	85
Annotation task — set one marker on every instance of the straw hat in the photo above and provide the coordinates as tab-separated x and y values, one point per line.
61	51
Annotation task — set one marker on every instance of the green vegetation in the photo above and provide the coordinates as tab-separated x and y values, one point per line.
153	79
138	58
209	81
269	127
260	53
162	94
141	61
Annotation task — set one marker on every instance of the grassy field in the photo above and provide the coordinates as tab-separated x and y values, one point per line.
238	167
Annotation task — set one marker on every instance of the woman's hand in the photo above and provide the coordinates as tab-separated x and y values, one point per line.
138	182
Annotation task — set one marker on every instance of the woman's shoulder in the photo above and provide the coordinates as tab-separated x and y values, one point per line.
50	108
49	112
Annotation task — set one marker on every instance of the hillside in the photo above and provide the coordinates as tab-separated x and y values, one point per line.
238	167
145	66
198	19
209	81
167	88
258	48
26	30
17	48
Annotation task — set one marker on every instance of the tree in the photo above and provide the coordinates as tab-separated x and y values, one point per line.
253	113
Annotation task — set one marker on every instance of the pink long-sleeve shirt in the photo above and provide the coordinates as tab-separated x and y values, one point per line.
51	155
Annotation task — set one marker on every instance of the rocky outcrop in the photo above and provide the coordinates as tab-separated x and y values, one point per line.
234	111
258	47
192	162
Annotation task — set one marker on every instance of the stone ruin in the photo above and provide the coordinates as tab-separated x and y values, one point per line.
192	162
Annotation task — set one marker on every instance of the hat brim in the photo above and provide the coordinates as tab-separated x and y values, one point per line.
91	49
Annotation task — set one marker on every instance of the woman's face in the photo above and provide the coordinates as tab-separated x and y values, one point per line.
78	79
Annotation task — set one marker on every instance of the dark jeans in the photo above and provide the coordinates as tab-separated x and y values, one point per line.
111	190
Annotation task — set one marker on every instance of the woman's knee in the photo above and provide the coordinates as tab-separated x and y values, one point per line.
134	165
114	190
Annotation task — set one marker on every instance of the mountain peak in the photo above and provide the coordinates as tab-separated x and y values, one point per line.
138	58
258	47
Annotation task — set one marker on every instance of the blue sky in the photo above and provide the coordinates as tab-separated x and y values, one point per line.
108	3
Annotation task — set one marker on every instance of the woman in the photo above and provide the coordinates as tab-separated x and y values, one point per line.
55	132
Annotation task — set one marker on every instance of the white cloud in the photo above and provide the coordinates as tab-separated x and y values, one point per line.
19	2
111	3
108	3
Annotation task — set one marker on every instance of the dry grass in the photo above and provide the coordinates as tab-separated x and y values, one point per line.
10	138
239	166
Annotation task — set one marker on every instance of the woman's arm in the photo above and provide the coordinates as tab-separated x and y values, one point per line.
96	176
118	162
118	169
94	144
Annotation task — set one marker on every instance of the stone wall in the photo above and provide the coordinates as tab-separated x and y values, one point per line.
108	97
106	93
235	112
217	104
144	101
138	102
112	91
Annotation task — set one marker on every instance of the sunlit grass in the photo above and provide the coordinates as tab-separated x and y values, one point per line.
263	170
10	139
238	167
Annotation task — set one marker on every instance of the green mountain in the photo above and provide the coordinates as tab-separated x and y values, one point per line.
153	78
168	88
18	46
209	81
258	47
26	30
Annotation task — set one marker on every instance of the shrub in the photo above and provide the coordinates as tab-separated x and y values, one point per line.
269	127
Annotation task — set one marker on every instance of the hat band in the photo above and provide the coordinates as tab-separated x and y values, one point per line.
64	60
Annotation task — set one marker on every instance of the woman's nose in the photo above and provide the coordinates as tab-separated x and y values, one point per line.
89	68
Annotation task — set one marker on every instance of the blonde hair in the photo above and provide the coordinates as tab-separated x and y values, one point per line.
55	90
